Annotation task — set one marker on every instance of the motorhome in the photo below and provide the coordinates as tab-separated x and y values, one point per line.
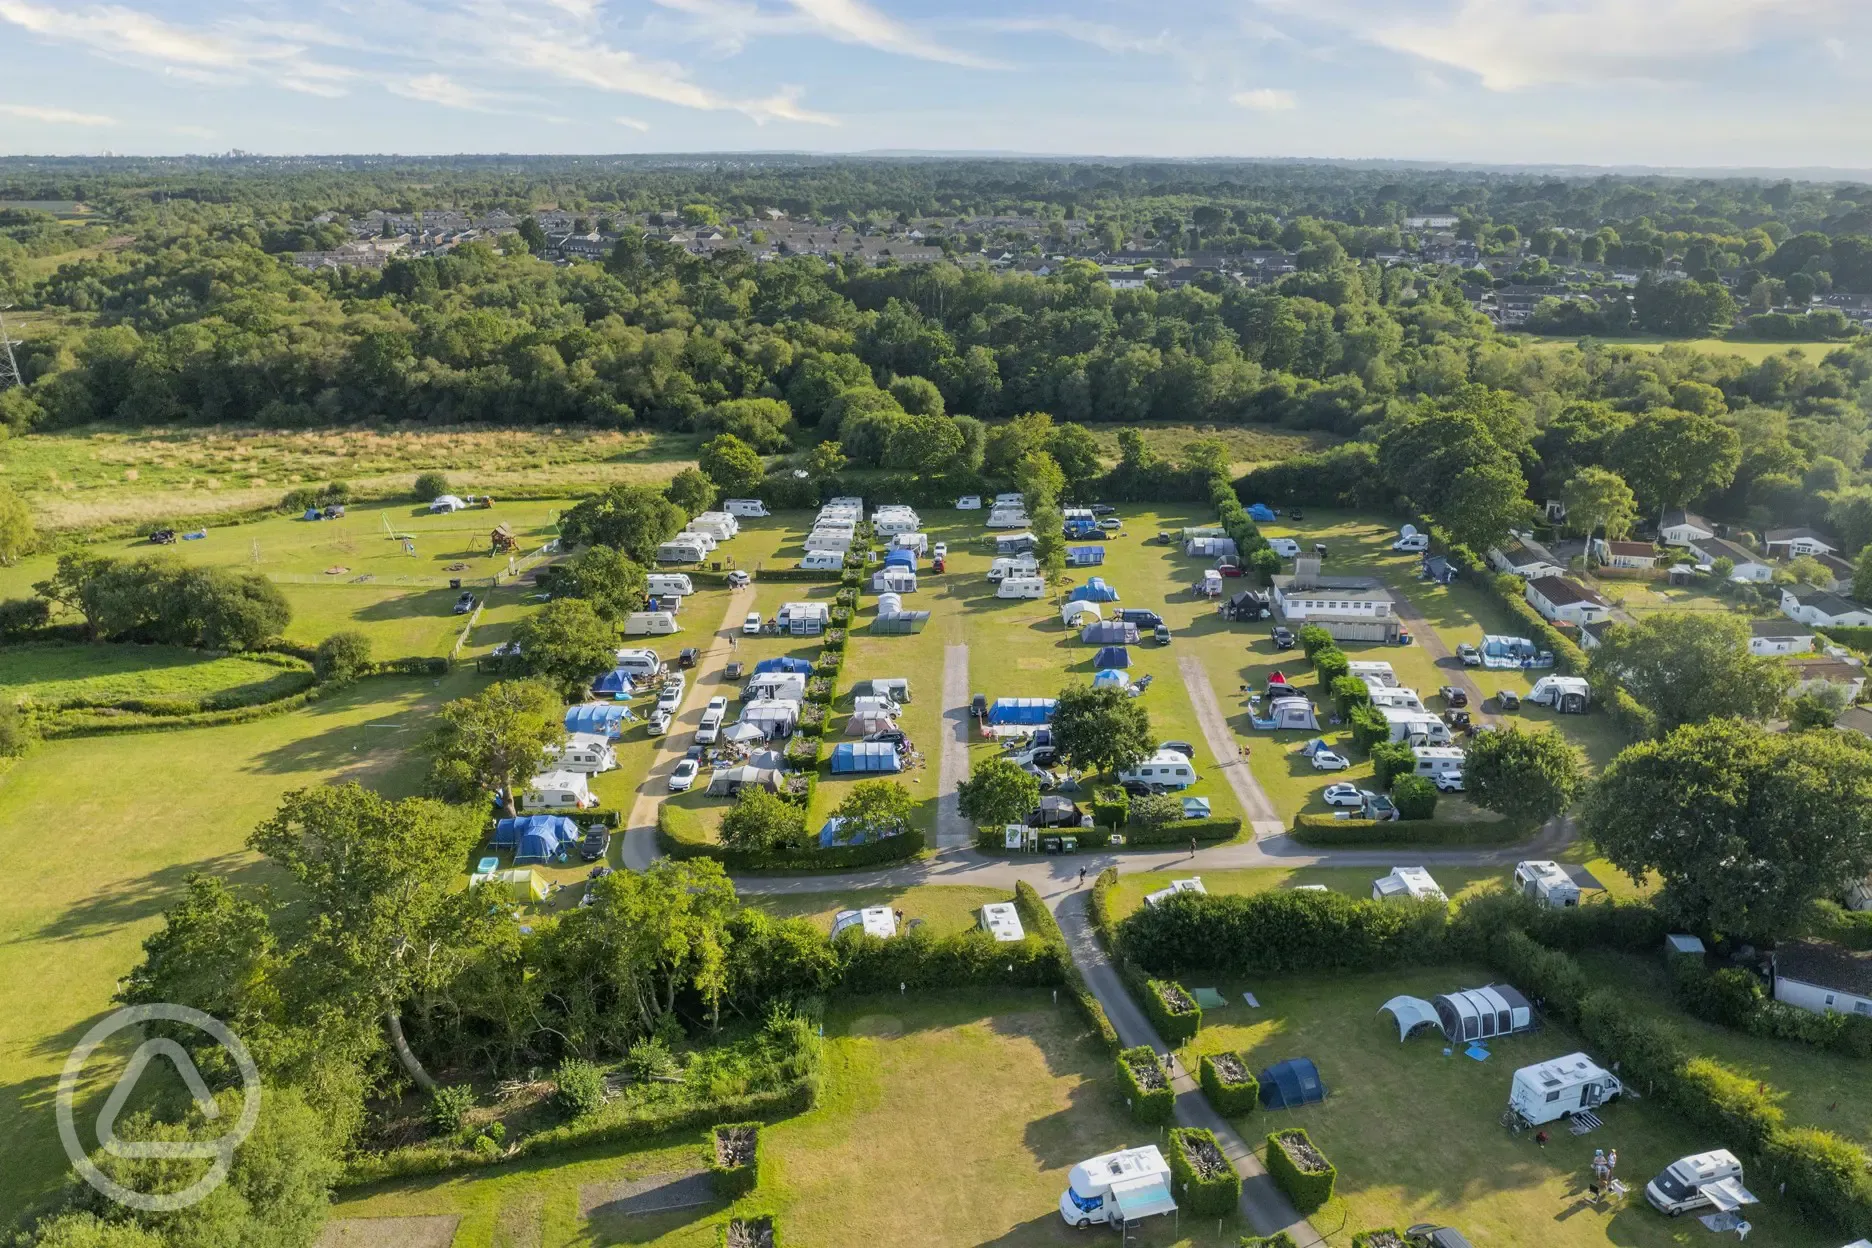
746	508
637	663
650	624
1010	500
1021	587
1020	565
717	524
1548	1091
1007	518
670	583
1431	761
822	561
1546	882
1165	769
1416	727
1410	541
558	790
589	752
1568	694
681	550
1700	1181
1002	921
1117	1188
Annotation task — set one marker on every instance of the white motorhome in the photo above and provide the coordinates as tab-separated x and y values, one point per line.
1546	882
670	583
589	752
822	560
1021	587
637	663
1001	921
1409	540
1700	1181
1431	761
650	624
1165	769
1416	727
750	508
1007	518
558	790
1022	565
1118	1187
1569	694
1548	1091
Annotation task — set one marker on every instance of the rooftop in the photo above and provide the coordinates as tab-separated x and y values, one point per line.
1826	965
1782	627
1563	591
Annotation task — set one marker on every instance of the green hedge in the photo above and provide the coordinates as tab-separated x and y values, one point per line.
679	835
1155	1105
1279	1239
1326	830
1098	906
1230	1099
1851	636
1308	1189
1039	923
1215	828
1214	1197
1369	727
732	1181
1111	806
1366	1239
816	575
753	1225
1176	1025
1507	591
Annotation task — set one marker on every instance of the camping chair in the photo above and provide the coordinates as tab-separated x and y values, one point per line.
1141	684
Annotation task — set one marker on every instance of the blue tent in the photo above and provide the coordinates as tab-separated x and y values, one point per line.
1021	710
1084	556
535	838
1291	1083
801	666
613	684
601	717
898	557
1112	677
313	513
1083	528
864	756
1109	633
1260	513
1094	590
1112	656
833	833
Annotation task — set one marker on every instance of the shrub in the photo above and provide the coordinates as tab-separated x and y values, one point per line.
1205	1181
429	486
1300	1169
1390	760
761	1231
448	1105
648	1058
1349	692
1229	1083
20	617
734	1159
1146	1085
16	731
1381	1237
1111	807
1330	664
1369	727
1326	830
578	1088
1157	811
341	658
1180	830
1415	797
1173	1011
1313	639
1825	1176
1279	1239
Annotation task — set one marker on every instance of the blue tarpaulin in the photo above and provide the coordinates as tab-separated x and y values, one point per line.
1112	656
898	557
1112	677
600	717
864	756
802	666
1084	556
1021	710
1260	513
612	684
535	838
1094	590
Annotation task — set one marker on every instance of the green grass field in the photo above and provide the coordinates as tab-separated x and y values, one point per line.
1748	349
944	908
49	675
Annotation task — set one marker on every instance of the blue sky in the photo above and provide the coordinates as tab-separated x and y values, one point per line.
1680	82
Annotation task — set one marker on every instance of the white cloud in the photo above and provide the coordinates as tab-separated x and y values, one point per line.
443	90
1100	35
1266	100
632	122
56	116
785	106
853	21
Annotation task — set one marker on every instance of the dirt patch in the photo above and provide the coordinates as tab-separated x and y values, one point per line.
1302	1153
1229	1068
427	1232
882	1026
521	1222
734	1146
751	1233
654	1193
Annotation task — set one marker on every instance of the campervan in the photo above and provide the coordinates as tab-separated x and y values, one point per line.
589	752
1546	882
1548	1091
822	561
637	663
746	507
1117	1188
874	705
1704	1180
681	550
1431	761
1021	565
830	541
670	583
1166	769
650	623
558	790
1568	694
1010	500
1007	518
1410	541
1021	587
1001	921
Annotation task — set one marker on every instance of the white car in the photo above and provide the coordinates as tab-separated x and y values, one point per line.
1449	782
751	625
659	723
1326	760
716	703
1344	795
670	700
684	775
738	579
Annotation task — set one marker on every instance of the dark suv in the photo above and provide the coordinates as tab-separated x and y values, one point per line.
465	603
1139	617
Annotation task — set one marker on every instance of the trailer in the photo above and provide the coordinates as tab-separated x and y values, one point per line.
1546	882
1570	695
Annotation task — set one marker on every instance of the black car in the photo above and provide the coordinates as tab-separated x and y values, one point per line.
1293	513
733	670
1139	616
596	841
978	705
893	735
465	603
1102	509
687	657
1284	639
1454	695
1508	700
1456	719
1138	788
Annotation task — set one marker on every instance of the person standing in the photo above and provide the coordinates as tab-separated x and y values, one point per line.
1081	883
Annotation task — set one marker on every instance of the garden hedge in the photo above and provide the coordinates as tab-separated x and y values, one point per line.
1379	1237
1098	907
918	960
1308	1189
1215	1196
733	1179
1326	830
679	835
1279	1239
820	575
1215	828
1176	1021
1231	1099
1148	1105
1111	806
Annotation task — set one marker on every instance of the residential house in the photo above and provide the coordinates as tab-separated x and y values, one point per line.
1823	977
1525	557
1768	637
1792	543
1839	573
1749	566
1681	528
1810	674
1351	608
1592	636
1631	555
1823	608
1563	600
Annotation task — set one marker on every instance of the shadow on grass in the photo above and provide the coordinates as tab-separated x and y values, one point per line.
134	901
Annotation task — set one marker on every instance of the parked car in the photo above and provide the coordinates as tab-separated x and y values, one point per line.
1326	760
716	703
893	735
1138	616
659	723
738	579
734	670
684	775
1044	757
751	625
1293	513
1181	747
1508	699
1457	719
1343	794
1110	524
1378	806
1454	696
687	656
978	705
1470	656
1284	639
465	603
1430	1235
1137	788
593	844
670	700
1448	782
940	550
1161	635
1102	509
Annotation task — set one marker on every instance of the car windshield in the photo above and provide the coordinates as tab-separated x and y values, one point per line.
1085	1204
1673	1187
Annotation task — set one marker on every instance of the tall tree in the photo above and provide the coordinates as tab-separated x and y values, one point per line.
610	580
875	808
567	643
691	491
733	465
1598	498
1672	457
635	519
1691	666
1102	729
1523	774
17	533
494	741
997	792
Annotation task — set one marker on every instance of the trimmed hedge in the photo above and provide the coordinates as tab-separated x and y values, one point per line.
1853	637
1507	591
972	960
1326	830
680	836
1215	1196
1098	906
1230	1099
1176	1023
1371	1239
1279	1239
1111	806
1308	1189
734	1179
1148	1105
1215	828
823	575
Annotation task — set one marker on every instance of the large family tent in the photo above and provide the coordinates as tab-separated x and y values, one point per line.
864	723
772	717
1110	633
1291	1083
1287	713
898	557
535	838
889	603
1111	678
1479	1013
1084	556
606	718
802	666
899	623
1112	656
729	781
853	757
1021	710
1094	590
1410	1013
1073	614
614	684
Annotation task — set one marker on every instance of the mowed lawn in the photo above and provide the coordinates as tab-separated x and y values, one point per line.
1458	883
101	833
1416	1135
948	1121
944	908
51	674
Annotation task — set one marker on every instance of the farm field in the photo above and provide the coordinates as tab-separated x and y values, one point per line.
1415	1135
51	674
1749	349
943	1122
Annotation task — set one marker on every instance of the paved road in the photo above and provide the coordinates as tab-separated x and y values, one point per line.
1248	791
1264	1205
952	830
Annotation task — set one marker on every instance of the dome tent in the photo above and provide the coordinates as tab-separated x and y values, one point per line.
1410	1013
1094	590
535	838
616	684
1112	656
1112	678
1292	1083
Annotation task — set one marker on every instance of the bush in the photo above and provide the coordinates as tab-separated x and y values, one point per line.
429	486
1279	1239
1370	728
1326	830
1825	1176
1415	798
757	1231
734	1159
22	617
1154	812
1181	830
1173	1011
1146	1085
1283	932
1313	639
1349	692
448	1105
1390	760
1380	1237
341	658
1265	564
680	835
578	1088
1229	1083
1111	806
1306	1178
1330	664
1205	1182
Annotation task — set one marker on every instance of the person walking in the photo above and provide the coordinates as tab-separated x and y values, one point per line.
1192	847
1081	883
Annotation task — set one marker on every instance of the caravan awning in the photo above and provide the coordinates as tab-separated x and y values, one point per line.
1145	1197
1411	1013
1728	1195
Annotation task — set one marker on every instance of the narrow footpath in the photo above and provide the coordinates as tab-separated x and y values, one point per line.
1255	805
952	830
1264	1206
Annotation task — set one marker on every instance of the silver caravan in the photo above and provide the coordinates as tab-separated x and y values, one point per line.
1549	1091
681	550
822	560
650	624
677	583
746	508
1021	587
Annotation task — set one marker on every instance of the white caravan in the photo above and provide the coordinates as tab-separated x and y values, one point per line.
1548	1091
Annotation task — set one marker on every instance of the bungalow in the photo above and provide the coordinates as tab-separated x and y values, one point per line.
1839	576
1592	636
1351	608
1681	528
1823	977
1792	543
1810	674
1633	555
1823	608
1525	557
1748	565
1768	637
1563	600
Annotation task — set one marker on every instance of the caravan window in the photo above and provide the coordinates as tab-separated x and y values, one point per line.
1552	1097
1503	1021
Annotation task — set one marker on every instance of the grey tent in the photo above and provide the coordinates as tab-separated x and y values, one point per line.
1482	1013
730	780
1410	1013
1110	633
1247	604
900	623
1288	1084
